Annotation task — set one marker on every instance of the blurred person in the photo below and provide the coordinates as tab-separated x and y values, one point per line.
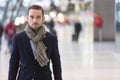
33	50
10	31
51	25
1	32
98	23
77	30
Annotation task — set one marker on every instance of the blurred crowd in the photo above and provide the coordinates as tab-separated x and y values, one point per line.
10	29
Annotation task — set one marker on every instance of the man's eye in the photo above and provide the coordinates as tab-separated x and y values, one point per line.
38	16
31	17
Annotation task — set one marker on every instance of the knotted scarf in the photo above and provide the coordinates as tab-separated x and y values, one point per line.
40	49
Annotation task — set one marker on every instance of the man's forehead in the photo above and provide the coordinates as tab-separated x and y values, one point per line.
35	11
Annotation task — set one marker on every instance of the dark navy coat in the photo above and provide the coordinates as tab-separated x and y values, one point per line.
23	65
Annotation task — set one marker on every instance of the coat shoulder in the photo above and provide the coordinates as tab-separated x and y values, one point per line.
20	33
50	35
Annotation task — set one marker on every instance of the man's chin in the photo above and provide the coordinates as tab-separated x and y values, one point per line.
35	26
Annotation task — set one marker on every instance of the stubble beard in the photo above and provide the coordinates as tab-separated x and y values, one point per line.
35	26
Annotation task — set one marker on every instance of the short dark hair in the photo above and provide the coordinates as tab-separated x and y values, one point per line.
37	7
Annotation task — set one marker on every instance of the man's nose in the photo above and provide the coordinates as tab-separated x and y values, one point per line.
34	20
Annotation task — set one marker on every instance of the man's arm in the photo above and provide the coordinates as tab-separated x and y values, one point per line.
14	61
56	61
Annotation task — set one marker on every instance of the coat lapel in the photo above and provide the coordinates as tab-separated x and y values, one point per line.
28	47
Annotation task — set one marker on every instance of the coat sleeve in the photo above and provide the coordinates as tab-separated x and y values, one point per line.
14	60
56	63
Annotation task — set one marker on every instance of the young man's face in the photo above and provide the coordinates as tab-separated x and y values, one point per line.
35	18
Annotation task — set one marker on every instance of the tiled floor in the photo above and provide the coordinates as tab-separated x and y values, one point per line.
80	61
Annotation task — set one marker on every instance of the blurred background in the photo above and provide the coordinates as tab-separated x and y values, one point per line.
88	35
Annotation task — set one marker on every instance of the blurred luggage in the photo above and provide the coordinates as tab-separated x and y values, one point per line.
74	37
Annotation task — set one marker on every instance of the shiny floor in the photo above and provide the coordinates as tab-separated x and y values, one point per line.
82	60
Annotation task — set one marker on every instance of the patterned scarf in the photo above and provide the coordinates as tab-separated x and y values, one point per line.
40	49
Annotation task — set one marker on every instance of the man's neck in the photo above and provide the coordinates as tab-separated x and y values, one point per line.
35	30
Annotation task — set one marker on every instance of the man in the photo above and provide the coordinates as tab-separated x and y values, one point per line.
51	26
33	49
77	30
